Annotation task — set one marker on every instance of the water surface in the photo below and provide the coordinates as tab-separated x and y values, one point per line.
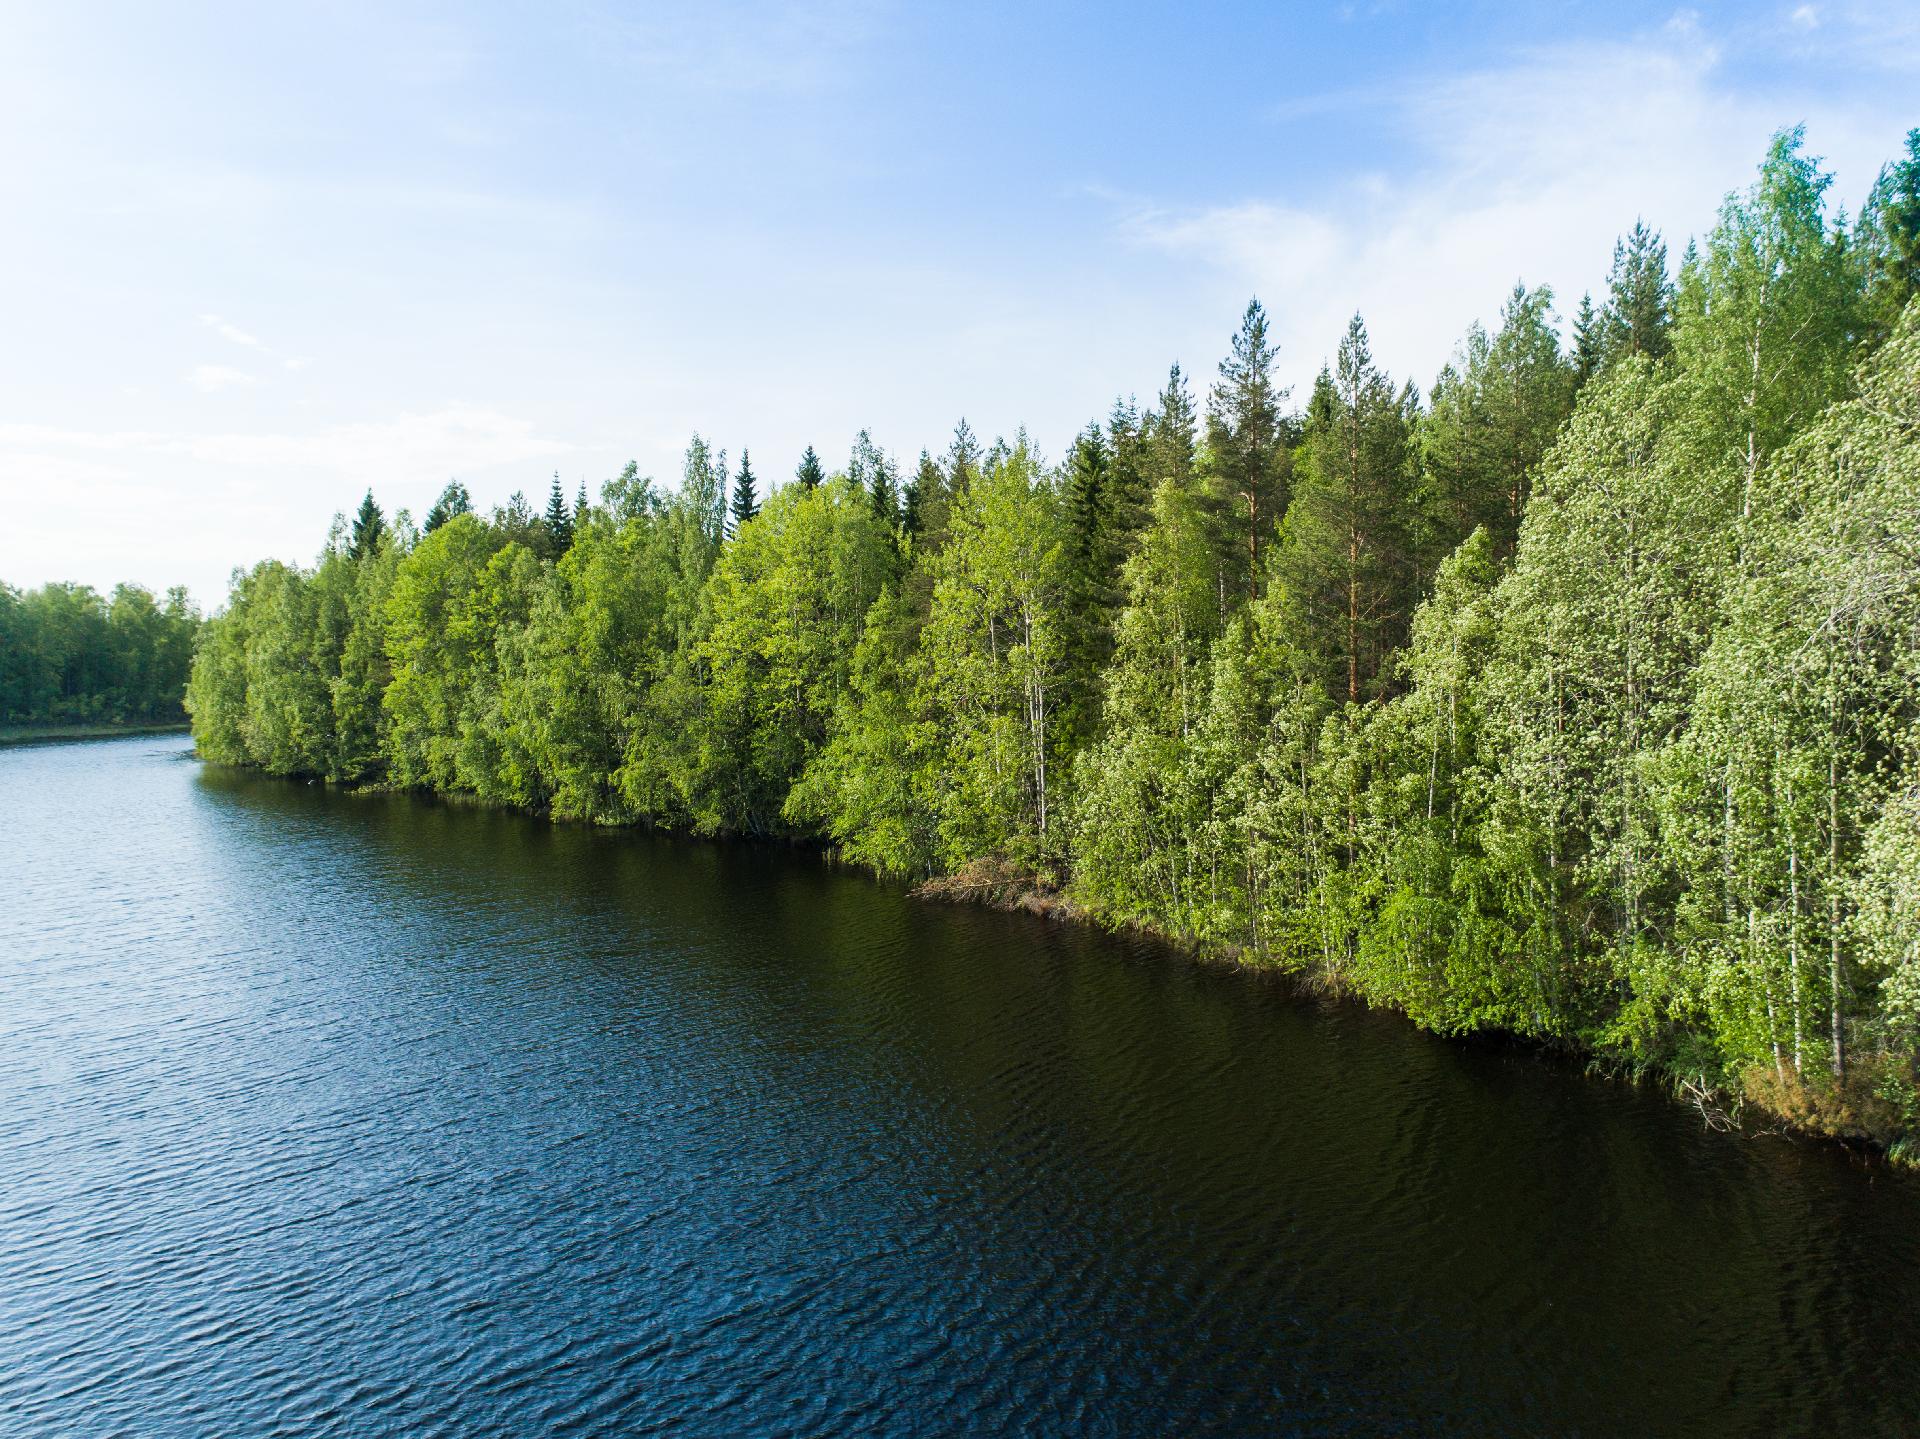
325	1114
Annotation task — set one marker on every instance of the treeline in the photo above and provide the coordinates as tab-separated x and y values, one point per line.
1576	699
69	655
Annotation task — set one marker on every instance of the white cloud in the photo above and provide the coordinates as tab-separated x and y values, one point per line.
226	330
1806	17
1530	171
213	379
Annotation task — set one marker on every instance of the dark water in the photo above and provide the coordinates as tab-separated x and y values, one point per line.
335	1115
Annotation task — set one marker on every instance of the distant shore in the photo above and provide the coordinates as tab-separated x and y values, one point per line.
60	733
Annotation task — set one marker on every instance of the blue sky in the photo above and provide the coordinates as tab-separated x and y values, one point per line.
258	260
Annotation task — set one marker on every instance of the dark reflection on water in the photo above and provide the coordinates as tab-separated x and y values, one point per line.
335	1114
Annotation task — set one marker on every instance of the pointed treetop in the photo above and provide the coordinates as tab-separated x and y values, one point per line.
369	529
744	505
558	520
810	473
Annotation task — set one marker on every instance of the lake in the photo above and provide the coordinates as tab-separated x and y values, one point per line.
337	1114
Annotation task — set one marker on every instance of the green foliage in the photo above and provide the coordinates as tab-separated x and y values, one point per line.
69	655
1349	555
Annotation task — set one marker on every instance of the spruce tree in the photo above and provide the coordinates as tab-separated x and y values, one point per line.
1889	241
454	500
923	512
369	529
871	469
963	460
745	504
1349	558
1246	439
1171	431
810	472
1587	342
580	507
1639	310
558	521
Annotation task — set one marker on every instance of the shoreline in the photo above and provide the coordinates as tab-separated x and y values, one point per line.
1746	1112
998	885
11	735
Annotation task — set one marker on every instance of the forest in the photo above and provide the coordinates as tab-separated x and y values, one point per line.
71	656
1577	698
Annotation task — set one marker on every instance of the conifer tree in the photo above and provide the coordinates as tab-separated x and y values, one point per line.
1348	558
369	529
1495	412
1247	443
558	521
872	469
1889	241
1171	431
454	500
1588	343
810	472
923	511
745	505
1639	310
963	460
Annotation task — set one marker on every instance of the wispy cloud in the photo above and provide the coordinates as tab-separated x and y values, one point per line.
1529	169
247	340
214	379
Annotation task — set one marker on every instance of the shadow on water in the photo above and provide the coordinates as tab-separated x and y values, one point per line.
362	1114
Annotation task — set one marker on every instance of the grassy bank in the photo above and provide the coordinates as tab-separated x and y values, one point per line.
61	733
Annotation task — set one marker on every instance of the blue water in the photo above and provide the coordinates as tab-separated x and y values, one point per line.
323	1114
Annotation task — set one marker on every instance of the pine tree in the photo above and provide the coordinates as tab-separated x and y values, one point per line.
558	521
872	470
745	505
454	500
810	472
1496	410
1349	556
1247	441
923	512
1889	241
1639	311
963	460
1171	434
369	529
1588	342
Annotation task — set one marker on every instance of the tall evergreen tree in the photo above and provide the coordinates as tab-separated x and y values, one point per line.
923	510
369	529
1171	430
454	500
1639	311
1495	413
1889	241
1588	342
873	470
558	520
745	504
1247	446
1349	557
963	460
810	472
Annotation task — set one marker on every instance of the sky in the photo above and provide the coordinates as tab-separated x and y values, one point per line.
257	259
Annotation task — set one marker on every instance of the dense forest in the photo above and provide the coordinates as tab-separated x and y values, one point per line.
71	656
1578	698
